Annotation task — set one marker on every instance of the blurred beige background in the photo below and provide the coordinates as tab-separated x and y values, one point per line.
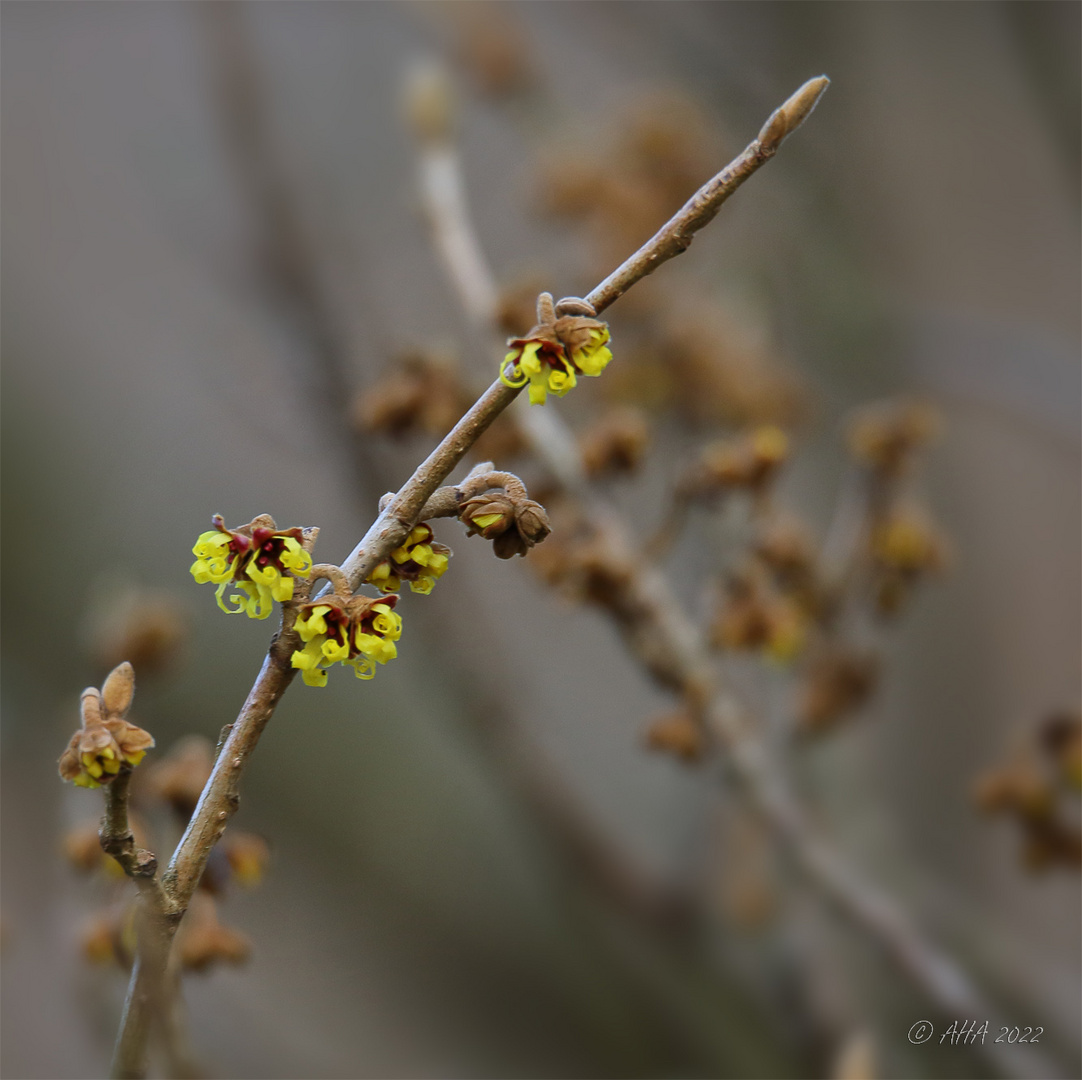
920	233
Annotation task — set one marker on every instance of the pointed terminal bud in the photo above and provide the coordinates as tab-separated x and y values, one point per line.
118	690
787	118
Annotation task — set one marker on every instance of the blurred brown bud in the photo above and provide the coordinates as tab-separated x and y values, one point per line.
615	443
785	547
97	940
248	856
421	393
494	51
428	102
747	462
180	776
676	733
591	569
143	626
754	617
838	681
906	542
725	369
108	937
885	436
118	689
1061	736
1017	788
572	189
203	941
1050	843
82	848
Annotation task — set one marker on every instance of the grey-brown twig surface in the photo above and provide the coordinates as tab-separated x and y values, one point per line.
676	234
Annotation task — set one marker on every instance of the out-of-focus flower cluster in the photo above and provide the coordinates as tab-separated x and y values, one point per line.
422	393
147	627
902	544
1039	788
615	443
661	154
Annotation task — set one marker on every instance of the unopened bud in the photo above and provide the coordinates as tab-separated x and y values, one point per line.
788	117
532	521
489	515
676	733
575	305
509	544
119	689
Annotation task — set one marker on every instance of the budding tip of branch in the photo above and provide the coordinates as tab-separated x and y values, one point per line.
787	118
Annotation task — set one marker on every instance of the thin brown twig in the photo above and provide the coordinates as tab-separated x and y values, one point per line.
670	647
147	993
220	797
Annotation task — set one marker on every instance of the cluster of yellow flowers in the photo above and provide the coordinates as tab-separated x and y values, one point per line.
360	632
258	560
551	357
420	561
262	563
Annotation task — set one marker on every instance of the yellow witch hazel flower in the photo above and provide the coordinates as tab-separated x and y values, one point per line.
360	632
420	561
555	352
259	560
